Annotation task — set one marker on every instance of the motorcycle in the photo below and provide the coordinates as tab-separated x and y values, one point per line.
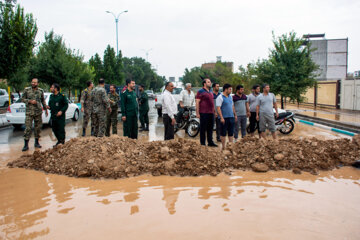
285	123
189	122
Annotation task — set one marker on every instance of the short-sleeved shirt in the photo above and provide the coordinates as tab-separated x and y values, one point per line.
252	102
266	103
206	104
240	104
188	99
226	105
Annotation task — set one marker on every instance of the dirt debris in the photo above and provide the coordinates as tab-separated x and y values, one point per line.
119	157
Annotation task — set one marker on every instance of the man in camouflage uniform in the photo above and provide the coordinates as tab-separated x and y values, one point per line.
143	109
129	110
111	117
34	99
100	106
86	105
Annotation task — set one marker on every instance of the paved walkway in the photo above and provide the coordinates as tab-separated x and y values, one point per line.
347	117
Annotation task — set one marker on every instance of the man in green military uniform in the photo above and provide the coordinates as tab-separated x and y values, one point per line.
100	107
129	110
34	99
111	117
58	104
143	109
86	105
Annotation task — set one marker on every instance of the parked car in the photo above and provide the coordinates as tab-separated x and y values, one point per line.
176	92
150	94
15	114
4	98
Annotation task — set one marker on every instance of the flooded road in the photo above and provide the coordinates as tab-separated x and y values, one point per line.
245	205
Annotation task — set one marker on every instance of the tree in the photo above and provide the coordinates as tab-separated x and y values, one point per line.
96	64
17	39
55	63
290	70
110	65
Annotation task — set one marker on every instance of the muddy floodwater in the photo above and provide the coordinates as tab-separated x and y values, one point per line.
244	205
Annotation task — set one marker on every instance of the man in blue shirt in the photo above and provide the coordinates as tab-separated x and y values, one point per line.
225	109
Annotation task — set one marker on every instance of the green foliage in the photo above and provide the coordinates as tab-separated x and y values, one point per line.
3	85
116	69
289	70
55	63
17	39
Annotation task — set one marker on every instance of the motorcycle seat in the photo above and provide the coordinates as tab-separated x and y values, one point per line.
284	115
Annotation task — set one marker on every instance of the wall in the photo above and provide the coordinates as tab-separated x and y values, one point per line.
324	94
350	94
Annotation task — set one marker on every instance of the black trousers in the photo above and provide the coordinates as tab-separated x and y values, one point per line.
169	128
218	128
253	122
206	127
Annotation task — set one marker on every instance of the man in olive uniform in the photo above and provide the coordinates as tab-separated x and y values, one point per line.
129	110
100	106
143	109
111	117
34	99
58	104
86	105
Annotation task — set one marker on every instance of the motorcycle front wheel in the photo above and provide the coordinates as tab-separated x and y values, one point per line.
287	127
193	128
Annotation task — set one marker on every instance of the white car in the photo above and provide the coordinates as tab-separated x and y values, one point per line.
15	114
4	98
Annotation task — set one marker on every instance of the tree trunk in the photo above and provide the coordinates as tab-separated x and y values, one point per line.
282	102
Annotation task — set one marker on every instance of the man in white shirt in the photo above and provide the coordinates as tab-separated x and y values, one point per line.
187	100
169	110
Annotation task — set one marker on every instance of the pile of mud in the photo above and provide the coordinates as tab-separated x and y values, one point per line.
119	157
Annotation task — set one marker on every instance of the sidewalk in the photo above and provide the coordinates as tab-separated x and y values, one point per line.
343	119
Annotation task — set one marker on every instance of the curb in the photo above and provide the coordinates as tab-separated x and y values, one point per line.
340	126
328	128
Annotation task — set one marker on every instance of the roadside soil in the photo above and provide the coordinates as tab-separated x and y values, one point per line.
119	157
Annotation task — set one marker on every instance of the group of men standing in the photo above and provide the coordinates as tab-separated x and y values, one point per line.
34	99
229	113
102	108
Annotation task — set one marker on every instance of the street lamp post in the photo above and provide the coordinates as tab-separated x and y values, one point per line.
116	22
147	53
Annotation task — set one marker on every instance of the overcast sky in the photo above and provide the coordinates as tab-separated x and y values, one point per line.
187	33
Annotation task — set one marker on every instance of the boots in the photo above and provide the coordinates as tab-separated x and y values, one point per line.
26	145
84	132
146	127
37	144
142	128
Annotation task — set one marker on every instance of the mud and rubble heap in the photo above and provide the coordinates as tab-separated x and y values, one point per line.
118	157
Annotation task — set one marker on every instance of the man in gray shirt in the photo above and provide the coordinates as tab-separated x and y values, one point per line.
242	110
265	104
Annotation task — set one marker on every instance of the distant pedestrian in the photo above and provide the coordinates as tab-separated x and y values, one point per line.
264	111
129	110
226	111
112	117
169	110
34	99
205	110
252	104
101	105
143	108
187	100
242	110
86	106
58	104
216	93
